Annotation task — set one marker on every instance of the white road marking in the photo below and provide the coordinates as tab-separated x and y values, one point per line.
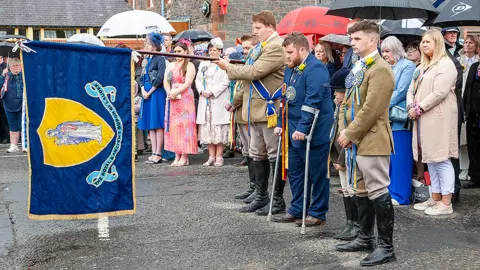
103	231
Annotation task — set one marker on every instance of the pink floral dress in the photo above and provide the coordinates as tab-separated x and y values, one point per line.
180	119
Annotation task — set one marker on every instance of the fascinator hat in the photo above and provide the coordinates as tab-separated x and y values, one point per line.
217	43
155	39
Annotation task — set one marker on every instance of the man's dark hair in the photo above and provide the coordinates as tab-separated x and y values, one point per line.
249	37
297	39
365	26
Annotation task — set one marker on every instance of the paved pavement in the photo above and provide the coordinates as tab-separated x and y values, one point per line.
187	219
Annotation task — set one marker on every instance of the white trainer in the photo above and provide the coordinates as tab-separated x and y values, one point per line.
424	205
439	209
13	148
463	175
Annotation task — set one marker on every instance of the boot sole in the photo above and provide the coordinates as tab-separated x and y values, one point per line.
391	259
368	249
251	210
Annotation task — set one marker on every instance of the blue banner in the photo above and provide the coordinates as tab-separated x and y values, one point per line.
80	139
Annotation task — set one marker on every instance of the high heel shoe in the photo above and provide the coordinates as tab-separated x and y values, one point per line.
174	163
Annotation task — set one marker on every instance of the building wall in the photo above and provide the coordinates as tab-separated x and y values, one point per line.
238	19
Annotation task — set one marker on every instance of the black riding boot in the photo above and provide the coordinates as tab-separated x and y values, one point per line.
262	173
366	218
251	181
383	253
355	227
278	201
349	232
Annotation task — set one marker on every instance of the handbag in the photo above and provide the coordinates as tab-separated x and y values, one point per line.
398	114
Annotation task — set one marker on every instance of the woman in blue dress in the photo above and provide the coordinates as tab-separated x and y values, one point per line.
152	113
401	162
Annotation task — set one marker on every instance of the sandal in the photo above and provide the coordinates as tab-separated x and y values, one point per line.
210	161
219	162
152	161
181	164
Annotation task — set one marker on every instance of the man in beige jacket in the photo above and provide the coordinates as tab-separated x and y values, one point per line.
260	79
367	135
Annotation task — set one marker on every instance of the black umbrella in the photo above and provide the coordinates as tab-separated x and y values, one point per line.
195	35
6	49
382	9
13	37
459	13
406	35
406	30
7	42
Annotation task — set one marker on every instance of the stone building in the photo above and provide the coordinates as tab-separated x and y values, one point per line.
237	21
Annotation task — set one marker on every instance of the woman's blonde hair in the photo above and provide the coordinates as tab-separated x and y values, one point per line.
438	53
328	50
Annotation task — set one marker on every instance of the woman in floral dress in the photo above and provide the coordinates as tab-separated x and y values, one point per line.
213	87
180	117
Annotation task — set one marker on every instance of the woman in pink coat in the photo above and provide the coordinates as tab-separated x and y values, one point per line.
432	104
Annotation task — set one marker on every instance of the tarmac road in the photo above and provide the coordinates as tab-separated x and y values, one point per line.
187	219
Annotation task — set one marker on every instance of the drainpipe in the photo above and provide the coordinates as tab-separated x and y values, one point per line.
215	17
163	8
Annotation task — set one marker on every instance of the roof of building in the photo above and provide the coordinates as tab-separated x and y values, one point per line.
60	13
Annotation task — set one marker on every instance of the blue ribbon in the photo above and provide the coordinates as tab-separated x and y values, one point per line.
352	153
108	171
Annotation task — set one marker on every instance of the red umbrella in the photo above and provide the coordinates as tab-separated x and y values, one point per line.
311	20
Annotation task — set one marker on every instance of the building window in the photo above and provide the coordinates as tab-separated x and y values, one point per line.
7	31
50	34
69	33
36	34
22	31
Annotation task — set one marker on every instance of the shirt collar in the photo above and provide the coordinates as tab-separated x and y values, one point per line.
369	56
272	36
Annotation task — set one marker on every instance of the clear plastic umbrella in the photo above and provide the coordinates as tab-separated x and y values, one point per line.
135	23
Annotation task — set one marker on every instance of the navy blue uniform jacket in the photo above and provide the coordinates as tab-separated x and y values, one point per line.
310	92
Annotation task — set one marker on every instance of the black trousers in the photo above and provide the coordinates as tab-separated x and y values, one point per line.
456	164
4	130
473	145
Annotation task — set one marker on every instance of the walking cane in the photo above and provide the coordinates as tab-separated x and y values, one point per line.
307	164
275	173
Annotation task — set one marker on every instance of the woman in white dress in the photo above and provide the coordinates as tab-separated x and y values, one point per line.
213	120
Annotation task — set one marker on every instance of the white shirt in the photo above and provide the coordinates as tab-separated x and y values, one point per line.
358	64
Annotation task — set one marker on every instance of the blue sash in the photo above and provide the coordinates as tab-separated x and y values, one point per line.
270	99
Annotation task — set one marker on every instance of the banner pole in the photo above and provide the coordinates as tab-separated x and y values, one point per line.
188	56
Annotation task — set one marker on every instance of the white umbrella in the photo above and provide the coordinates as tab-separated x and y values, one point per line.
84	38
135	22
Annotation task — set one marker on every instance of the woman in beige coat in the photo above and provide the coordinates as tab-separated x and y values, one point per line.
213	86
432	103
